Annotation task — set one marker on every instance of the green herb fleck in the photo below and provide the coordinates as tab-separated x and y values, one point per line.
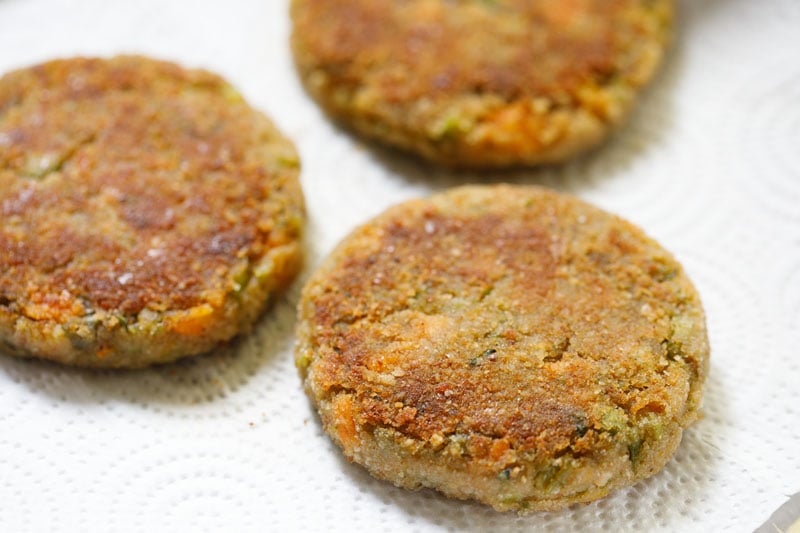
581	425
673	349
635	450
241	280
123	321
451	126
551	477
475	360
303	361
290	161
231	95
665	273
614	421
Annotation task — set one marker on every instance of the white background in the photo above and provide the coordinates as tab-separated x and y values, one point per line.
709	165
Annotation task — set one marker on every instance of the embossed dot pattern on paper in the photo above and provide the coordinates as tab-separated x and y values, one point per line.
709	165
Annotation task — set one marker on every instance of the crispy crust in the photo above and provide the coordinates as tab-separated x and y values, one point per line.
506	344
479	83
148	211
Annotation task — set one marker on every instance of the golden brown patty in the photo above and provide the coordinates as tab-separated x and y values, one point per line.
506	344
147	211
480	82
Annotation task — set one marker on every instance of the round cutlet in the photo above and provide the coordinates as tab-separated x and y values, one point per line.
480	83
147	212
506	344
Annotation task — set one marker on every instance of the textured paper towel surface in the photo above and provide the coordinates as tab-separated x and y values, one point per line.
709	165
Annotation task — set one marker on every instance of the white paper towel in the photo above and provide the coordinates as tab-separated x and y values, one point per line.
709	165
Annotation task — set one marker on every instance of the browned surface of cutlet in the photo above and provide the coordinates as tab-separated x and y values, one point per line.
507	344
147	211
480	82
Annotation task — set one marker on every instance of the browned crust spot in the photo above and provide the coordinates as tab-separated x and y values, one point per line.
507	344
147	211
480	83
